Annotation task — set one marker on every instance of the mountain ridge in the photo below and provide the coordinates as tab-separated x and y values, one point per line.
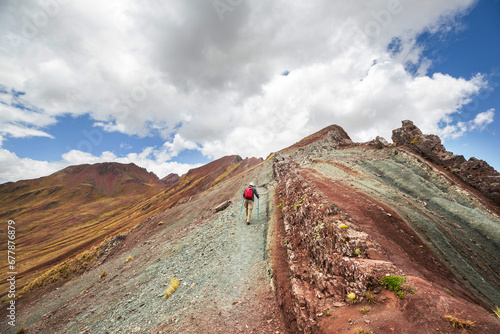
335	218
475	172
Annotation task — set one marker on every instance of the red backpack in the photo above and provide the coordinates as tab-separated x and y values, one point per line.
248	192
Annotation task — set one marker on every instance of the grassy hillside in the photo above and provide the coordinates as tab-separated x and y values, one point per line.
60	216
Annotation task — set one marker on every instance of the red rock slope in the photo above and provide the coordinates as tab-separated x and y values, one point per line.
348	215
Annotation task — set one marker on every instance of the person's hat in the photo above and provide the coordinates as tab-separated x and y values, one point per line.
252	184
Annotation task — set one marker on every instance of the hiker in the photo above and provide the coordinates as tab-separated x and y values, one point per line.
248	195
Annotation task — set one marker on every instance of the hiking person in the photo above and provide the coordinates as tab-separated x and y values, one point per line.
248	195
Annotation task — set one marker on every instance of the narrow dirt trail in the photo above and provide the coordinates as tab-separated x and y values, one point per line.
219	260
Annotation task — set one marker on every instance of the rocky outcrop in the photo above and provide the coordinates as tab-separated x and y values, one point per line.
477	173
327	256
379	142
223	206
337	137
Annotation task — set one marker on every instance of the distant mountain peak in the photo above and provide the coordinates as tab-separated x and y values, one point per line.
333	134
104	168
106	177
170	178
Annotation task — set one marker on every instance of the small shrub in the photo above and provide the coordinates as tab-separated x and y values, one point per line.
362	331
370	297
448	291
317	230
343	226
365	309
352	297
457	323
174	284
104	274
129	258
393	283
327	313
357	251
20	330
286	242
496	310
5	300
299	203
415	141
319	227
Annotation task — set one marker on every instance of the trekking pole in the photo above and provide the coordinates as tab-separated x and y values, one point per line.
241	208
258	203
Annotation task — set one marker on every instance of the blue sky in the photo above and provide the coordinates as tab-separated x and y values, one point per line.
173	85
70	133
473	49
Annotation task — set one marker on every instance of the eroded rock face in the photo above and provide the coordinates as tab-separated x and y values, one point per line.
477	173
337	137
327	257
406	133
330	138
379	142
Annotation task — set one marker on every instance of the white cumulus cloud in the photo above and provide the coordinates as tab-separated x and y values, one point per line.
479	123
209	78
483	119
